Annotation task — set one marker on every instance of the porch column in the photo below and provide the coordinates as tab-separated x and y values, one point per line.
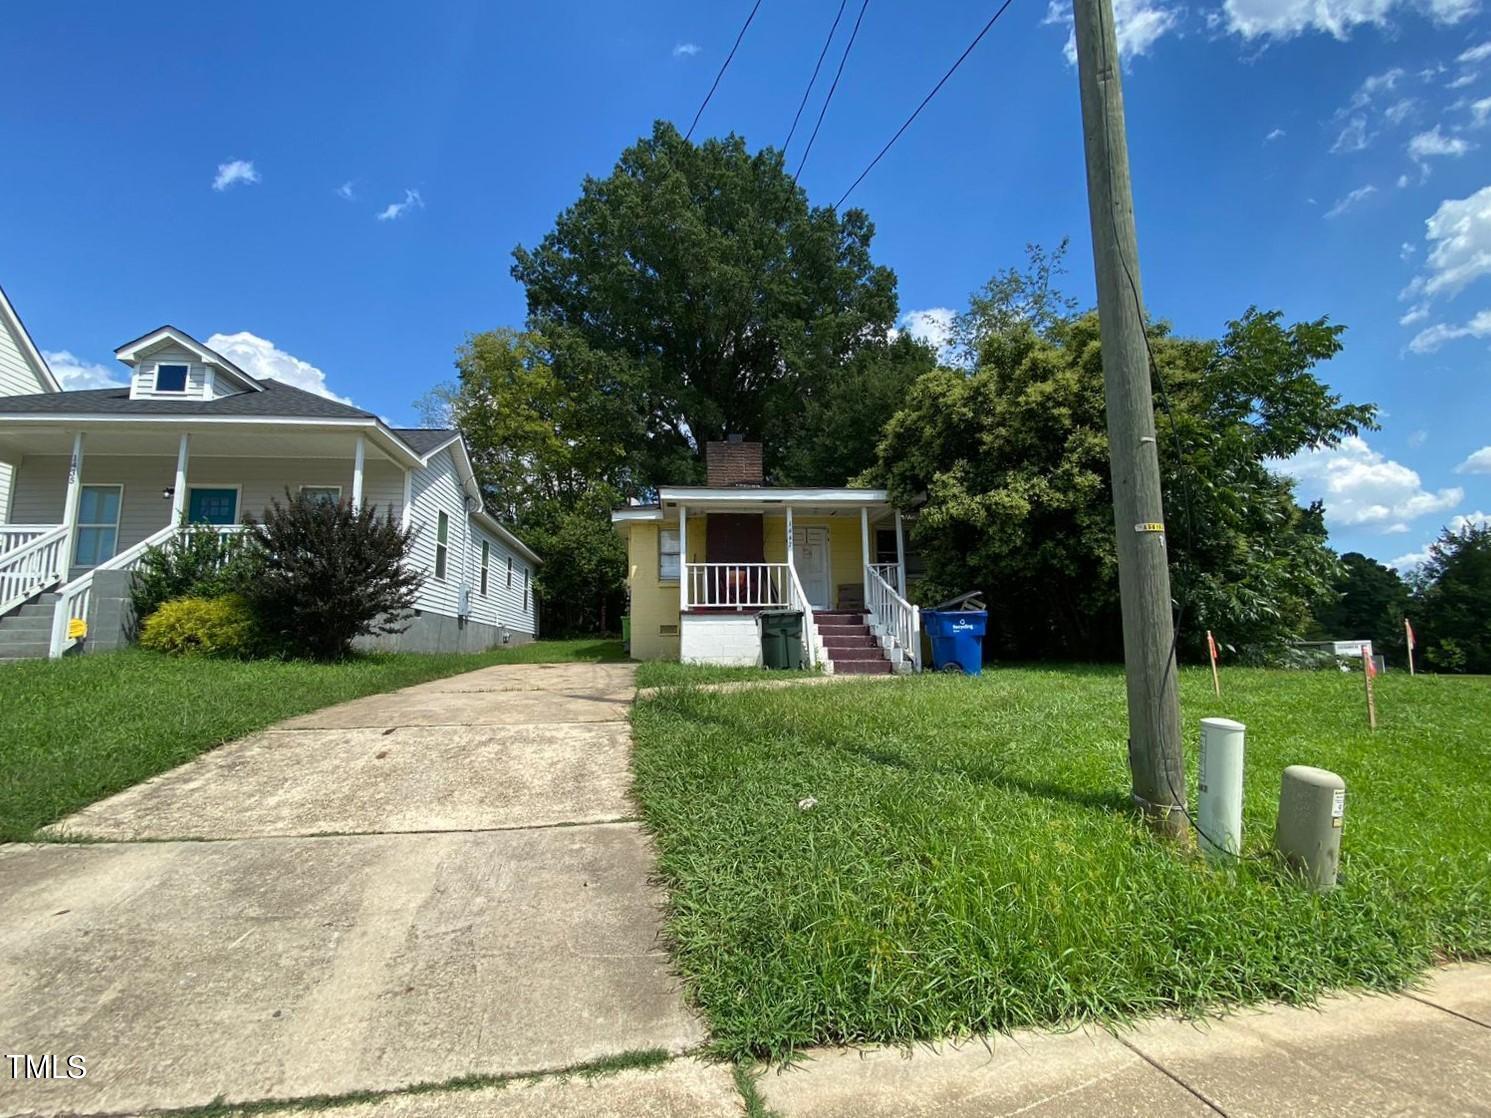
864	548
683	559
900	556
178	495
791	555
70	508
408	514
358	457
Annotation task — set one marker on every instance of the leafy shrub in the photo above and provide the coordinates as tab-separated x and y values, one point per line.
222	626
195	563
329	573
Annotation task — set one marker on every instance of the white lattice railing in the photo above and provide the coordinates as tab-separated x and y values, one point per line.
894	617
798	600
13	536
77	595
737	585
32	566
891	572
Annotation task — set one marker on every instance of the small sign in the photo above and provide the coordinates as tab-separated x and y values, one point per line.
1338	805
77	629
1150	526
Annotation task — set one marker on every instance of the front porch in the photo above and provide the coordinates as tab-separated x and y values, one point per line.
93	499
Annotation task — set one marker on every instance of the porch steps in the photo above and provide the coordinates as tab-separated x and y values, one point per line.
849	644
26	632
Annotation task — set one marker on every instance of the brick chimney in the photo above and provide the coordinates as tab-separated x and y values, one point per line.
733	462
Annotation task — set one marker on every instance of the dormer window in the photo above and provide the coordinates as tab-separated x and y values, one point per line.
170	378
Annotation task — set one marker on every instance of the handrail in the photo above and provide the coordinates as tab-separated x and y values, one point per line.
736	585
32	567
799	600
74	597
894	616
13	537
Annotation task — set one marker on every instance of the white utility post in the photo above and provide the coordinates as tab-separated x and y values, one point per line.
864	548
900	556
178	494
358	458
70	510
683	561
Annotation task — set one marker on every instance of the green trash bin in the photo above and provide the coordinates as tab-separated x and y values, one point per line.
626	632
781	638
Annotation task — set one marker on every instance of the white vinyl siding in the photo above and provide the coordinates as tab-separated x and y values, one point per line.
17	378
41	485
142	383
501	604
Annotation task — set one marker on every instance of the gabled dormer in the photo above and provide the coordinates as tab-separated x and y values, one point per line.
170	364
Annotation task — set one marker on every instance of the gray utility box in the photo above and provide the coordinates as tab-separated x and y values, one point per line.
1312	811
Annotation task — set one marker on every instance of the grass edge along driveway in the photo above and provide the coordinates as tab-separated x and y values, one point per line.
972	864
75	730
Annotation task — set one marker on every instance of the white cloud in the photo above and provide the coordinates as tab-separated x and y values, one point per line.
1477	463
1363	488
685	50
1460	232
1456	524
346	191
1351	199
1406	563
1352	138
1406	250
1137	24
1430	339
73	372
1276	134
934	325
1480	112
1399	111
1414	314
1434	143
1402	181
1283	19
259	357
234	172
1475	54
395	210
1418	438
1462	81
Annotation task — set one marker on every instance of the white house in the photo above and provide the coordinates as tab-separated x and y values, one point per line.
23	372
100	475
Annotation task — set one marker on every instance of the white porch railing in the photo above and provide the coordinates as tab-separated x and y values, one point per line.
798	600
13	536
77	595
891	572
32	566
894	618
736	585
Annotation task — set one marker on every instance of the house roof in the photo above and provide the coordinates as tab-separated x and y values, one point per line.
423	440
38	363
164	336
273	399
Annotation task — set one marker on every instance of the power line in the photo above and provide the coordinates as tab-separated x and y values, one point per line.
813	80
925	101
690	133
829	99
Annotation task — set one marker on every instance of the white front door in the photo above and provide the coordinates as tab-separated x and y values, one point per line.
810	556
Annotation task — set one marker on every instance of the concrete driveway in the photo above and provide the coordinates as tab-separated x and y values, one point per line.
442	882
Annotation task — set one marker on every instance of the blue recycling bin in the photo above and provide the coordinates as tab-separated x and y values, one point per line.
957	638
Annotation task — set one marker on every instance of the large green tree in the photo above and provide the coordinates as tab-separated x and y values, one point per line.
708	295
1011	461
1453	620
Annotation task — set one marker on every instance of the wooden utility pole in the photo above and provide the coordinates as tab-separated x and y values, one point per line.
1143	573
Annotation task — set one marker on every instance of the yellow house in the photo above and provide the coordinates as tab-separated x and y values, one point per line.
704	561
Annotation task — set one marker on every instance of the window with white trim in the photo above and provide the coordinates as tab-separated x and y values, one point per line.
486	557
667	555
442	548
98	523
331	494
509	572
170	378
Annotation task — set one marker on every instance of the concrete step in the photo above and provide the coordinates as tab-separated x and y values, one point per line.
839	616
843	630
36	609
17	649
27	623
862	667
842	655
863	640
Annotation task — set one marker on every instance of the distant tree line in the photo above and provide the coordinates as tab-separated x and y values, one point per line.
694	293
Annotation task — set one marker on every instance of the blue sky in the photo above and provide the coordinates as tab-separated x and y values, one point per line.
334	191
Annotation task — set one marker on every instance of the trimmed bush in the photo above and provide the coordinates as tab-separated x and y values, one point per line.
222	626
196	563
329	573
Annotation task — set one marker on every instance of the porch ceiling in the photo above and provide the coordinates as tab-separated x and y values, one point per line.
239	441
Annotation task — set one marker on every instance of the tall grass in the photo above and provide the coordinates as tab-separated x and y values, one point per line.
972	862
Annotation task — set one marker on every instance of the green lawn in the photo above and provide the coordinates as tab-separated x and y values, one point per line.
670	673
972	863
75	730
